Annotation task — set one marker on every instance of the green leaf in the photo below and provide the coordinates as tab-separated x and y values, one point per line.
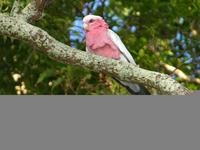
141	52
46	74
169	52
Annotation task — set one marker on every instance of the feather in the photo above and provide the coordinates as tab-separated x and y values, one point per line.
87	50
133	88
117	41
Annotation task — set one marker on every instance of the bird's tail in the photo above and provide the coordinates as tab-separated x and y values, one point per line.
133	88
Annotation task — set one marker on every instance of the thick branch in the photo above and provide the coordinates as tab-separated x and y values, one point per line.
15	27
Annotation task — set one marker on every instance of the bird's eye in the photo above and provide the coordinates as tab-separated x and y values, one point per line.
91	20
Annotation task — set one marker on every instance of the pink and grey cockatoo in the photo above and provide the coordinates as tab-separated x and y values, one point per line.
100	40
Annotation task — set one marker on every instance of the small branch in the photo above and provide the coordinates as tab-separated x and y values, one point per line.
41	4
16	7
33	11
30	12
180	74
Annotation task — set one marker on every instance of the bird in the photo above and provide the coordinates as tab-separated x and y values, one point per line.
102	41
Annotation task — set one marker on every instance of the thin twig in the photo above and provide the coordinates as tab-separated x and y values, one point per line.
33	11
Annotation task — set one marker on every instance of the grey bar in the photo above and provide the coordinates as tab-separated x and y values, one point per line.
99	123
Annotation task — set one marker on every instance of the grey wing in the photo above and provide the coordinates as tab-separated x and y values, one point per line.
117	41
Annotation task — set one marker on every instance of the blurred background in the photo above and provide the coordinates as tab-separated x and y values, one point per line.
160	35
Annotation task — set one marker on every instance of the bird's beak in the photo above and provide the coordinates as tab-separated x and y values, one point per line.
85	26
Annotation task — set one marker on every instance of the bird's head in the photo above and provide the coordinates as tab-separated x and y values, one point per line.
91	22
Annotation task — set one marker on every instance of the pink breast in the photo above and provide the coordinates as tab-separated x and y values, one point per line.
100	43
107	51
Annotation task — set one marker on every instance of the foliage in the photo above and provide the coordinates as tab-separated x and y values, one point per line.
155	33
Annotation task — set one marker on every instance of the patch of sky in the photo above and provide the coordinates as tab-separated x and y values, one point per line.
186	54
198	66
107	3
115	18
198	59
78	23
182	38
178	36
178	53
96	4
72	44
182	59
119	21
184	45
76	31
193	75
85	11
188	61
173	76
186	58
133	29
115	28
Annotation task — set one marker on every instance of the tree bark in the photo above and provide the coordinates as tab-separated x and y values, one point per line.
17	26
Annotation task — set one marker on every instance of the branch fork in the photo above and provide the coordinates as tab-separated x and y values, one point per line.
32	12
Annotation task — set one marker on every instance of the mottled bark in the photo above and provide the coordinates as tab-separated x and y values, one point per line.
19	28
15	8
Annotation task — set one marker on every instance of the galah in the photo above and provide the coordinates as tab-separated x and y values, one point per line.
100	40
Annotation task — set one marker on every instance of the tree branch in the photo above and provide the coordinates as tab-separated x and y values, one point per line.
18	28
180	74
33	11
30	12
16	7
41	4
